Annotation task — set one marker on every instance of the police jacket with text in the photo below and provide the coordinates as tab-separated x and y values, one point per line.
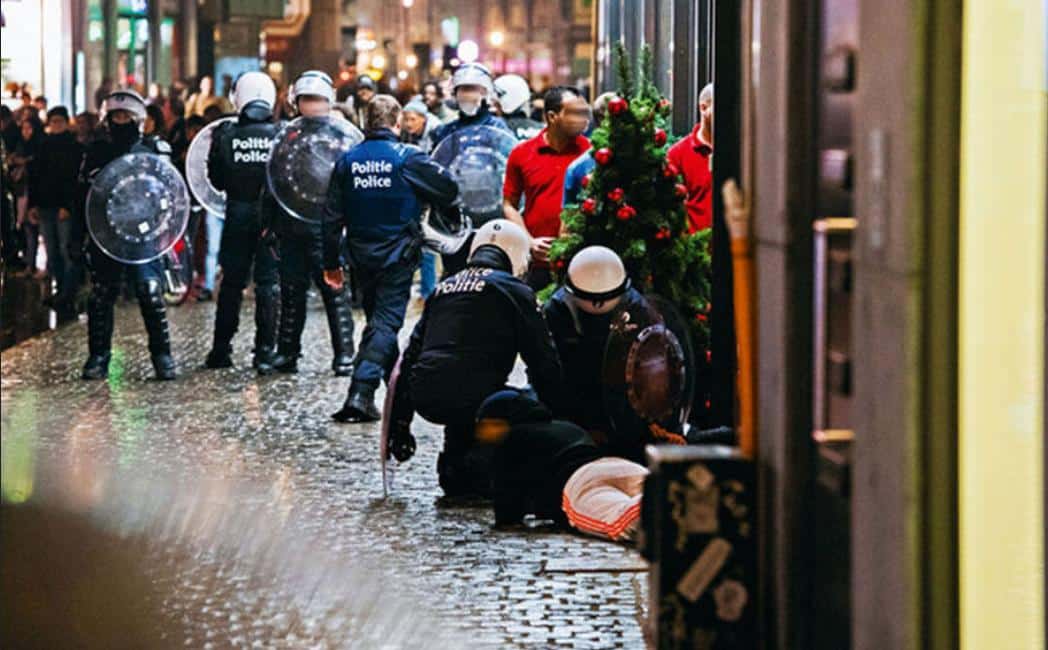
236	163
581	339
464	346
377	193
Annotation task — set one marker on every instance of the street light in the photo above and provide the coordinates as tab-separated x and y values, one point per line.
468	51
496	38
408	4
411	61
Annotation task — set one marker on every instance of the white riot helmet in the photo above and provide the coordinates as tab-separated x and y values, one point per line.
597	279
472	74
513	240
126	100
313	83
254	86
513	92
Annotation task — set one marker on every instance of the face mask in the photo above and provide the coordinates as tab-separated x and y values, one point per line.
124	133
469	108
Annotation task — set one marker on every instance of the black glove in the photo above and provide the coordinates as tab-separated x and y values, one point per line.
401	444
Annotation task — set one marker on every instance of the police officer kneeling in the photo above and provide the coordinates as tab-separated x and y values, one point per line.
236	165
579	316
463	350
376	194
125	112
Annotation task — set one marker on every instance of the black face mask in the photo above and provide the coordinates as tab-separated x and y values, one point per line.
125	134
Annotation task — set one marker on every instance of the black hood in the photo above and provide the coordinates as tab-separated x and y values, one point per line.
514	406
256	111
490	256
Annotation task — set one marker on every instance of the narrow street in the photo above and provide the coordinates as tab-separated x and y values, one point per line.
263	522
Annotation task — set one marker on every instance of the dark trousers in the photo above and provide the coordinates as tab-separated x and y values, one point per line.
385	295
107	275
300	264
243	254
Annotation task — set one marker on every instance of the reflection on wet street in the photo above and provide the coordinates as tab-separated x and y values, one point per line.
227	510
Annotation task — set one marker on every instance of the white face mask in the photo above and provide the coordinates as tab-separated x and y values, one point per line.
469	108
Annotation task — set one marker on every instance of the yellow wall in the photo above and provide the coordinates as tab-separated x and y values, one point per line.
1001	325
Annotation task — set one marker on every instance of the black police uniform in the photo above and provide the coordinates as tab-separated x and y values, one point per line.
581	339
376	194
454	262
107	274
462	350
534	458
236	165
302	260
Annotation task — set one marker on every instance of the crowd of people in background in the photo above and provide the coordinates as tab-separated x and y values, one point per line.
43	144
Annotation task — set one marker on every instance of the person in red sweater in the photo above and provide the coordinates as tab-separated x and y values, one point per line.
693	156
535	170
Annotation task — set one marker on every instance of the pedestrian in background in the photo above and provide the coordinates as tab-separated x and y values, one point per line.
52	198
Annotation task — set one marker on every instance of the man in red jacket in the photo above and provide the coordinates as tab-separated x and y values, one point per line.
692	156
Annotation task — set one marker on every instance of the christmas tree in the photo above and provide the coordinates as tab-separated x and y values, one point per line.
633	203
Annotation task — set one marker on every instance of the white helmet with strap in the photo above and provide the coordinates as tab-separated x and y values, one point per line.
472	74
254	86
597	279
313	83
125	100
513	92
507	236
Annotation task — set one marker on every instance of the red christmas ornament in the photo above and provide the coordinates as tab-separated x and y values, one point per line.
616	194
586	180
664	105
670	170
663	233
680	190
559	264
602	156
660	137
589	206
617	106
625	213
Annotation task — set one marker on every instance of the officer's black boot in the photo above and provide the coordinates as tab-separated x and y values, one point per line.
340	322
227	319
359	405
266	314
154	314
292	321
99	331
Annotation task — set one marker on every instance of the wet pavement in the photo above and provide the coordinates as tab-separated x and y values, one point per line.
262	522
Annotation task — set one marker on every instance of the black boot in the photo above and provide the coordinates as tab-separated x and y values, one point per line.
227	319
267	311
292	321
340	322
359	405
99	330
154	314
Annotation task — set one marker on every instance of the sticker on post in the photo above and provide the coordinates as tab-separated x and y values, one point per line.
143	227
702	572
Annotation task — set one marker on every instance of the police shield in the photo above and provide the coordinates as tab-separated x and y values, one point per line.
301	160
648	369
137	208
213	200
476	157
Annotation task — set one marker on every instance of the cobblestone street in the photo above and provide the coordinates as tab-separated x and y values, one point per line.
265	521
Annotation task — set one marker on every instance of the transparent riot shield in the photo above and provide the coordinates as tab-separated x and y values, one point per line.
301	160
213	200
476	157
137	208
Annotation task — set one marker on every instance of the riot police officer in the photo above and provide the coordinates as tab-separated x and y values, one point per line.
237	165
125	112
301	257
514	97
579	316
464	347
473	88
376	194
